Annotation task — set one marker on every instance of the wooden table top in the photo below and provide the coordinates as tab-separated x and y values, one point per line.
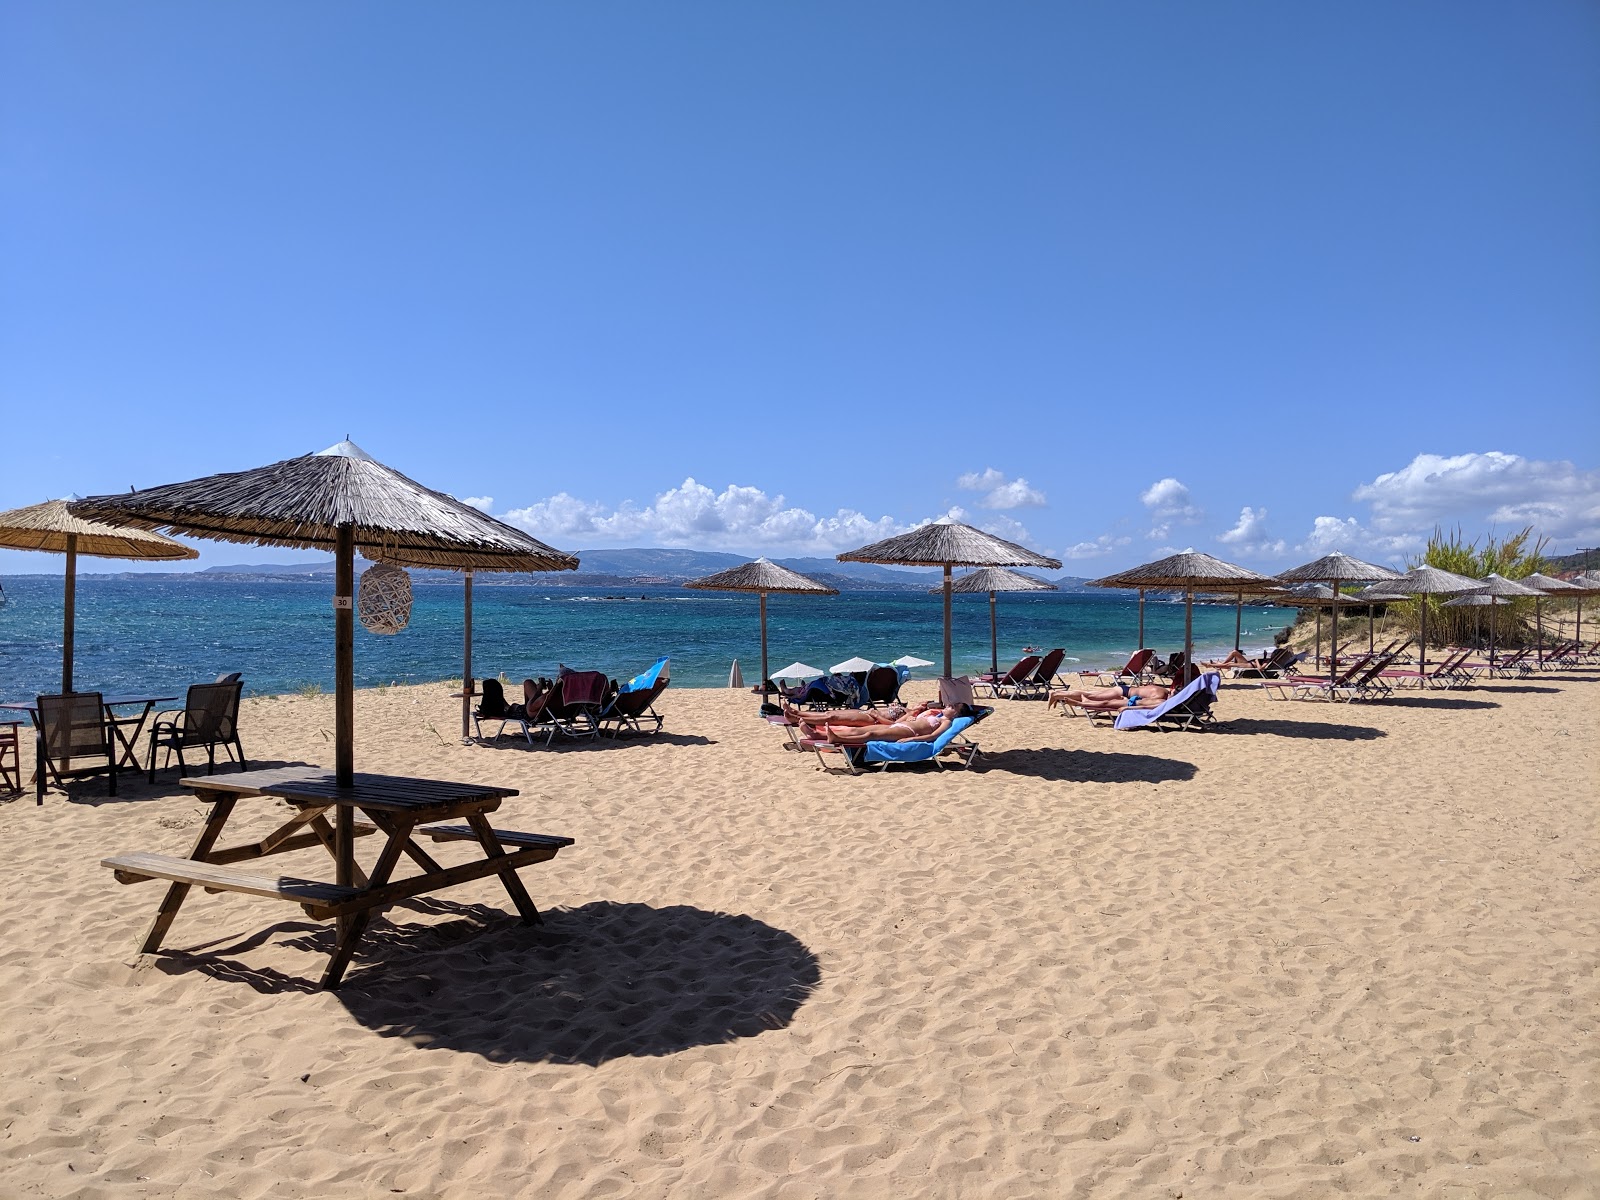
312	785
105	701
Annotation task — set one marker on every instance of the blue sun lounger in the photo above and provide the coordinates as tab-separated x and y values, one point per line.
883	755
1187	708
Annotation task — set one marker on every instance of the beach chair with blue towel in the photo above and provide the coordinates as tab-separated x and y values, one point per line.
1187	708
633	703
883	755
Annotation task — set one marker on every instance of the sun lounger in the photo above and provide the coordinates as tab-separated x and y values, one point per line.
1452	671
883	685
1037	685
1135	670
953	742
1007	683
1316	687
576	702
633	704
1187	708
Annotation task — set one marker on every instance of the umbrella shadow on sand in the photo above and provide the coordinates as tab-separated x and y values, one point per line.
1308	730
1457	702
594	983
513	742
1088	766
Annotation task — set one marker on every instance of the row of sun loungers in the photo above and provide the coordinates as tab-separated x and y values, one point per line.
580	704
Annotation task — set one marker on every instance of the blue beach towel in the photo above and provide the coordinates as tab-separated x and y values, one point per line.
911	752
1138	718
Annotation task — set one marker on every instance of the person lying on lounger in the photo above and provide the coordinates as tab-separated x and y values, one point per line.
924	725
1111	699
1236	658
857	716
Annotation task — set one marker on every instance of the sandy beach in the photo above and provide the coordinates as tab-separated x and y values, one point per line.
1334	950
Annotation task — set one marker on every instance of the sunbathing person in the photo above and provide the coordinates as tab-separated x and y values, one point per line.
925	725
1236	658
1110	699
853	716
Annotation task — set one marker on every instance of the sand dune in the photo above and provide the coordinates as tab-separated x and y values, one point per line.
1339	950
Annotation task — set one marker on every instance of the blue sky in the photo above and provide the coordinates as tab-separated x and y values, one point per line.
1109	278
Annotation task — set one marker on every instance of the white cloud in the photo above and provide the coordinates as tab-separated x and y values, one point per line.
693	515
483	502
1554	496
1101	546
1001	491
1249	534
1169	504
737	518
1348	534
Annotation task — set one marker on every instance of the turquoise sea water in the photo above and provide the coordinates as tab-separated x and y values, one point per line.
161	634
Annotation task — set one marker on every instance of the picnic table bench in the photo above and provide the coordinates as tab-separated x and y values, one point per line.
395	806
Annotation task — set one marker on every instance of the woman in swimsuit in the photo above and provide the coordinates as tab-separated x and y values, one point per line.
1107	699
925	725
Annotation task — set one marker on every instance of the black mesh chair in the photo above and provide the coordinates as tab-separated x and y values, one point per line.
209	718
72	726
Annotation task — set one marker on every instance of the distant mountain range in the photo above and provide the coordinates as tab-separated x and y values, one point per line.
608	568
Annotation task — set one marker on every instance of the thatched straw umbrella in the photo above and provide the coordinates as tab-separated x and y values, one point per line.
1334	570
50	527
992	580
344	500
1497	588
1546	585
1424	581
1191	572
946	543
764	577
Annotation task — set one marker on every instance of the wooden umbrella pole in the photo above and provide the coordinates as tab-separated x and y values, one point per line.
344	704
994	640
344	674
69	619
1188	637
1238	619
1422	638
947	673
1319	635
1140	646
763	647
1538	624
466	656
1333	633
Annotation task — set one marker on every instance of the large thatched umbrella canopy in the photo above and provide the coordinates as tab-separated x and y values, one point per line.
992	580
763	577
1333	570
343	500
1424	581
946	543
51	528
1189	572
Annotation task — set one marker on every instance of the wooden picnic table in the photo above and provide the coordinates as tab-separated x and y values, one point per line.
395	806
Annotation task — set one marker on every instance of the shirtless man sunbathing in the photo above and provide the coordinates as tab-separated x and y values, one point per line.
1112	699
923	723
